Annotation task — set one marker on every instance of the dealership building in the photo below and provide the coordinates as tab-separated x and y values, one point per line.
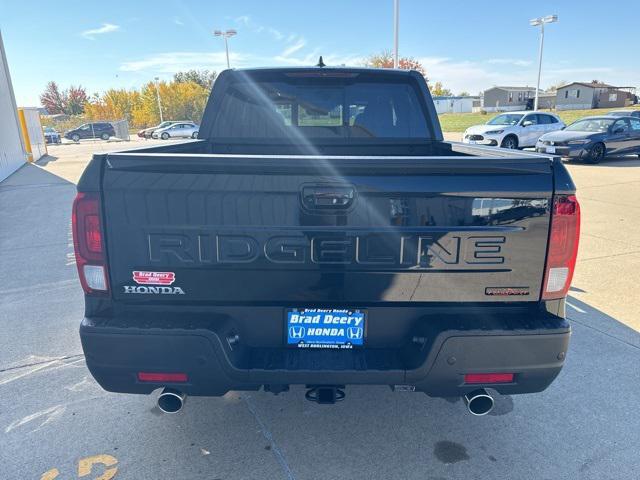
12	149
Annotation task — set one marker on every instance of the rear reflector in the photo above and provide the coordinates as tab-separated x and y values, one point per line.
94	276
88	243
162	377
563	246
488	378
556	279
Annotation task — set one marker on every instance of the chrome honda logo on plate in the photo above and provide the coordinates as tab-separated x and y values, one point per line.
354	333
296	331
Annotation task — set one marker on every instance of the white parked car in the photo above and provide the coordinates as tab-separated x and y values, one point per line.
177	130
513	129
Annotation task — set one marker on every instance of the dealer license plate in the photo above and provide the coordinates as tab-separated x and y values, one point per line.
325	328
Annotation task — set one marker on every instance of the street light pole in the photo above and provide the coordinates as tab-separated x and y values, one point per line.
396	18
157	80
226	48
535	103
539	22
226	34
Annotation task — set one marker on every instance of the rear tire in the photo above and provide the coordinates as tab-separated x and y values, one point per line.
596	154
194	135
104	136
164	136
510	141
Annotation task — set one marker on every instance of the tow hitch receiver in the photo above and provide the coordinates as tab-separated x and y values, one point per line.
325	394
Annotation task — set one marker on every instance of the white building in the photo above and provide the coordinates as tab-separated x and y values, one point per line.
454	104
12	151
32	133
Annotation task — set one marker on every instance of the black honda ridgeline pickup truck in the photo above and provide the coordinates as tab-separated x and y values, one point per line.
320	232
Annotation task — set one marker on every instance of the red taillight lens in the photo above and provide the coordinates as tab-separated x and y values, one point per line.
162	377
488	378
92	233
88	243
563	246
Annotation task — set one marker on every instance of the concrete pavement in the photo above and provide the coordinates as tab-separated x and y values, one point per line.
55	422
68	159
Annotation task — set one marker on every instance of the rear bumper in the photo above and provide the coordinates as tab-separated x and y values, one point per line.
573	152
433	362
482	140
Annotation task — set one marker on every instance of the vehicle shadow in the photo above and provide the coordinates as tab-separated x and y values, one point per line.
588	316
613	161
45	160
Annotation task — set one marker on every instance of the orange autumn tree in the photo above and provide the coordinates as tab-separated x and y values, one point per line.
181	100
385	60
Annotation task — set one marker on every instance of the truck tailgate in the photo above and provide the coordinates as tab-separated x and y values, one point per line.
303	230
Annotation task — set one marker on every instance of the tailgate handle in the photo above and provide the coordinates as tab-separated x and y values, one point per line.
327	197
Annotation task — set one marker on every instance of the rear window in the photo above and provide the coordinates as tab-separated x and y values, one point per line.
291	107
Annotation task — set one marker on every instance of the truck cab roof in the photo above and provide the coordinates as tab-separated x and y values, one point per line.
327	70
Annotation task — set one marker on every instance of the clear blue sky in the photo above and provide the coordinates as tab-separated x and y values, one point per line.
468	45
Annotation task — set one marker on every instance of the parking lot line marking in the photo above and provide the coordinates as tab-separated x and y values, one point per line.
40	286
48	415
604	333
85	465
577	309
50	474
20	375
44	367
267	435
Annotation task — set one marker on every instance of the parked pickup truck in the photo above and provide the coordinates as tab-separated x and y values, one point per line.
320	232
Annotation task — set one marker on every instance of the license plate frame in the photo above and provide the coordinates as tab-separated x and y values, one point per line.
551	149
313	329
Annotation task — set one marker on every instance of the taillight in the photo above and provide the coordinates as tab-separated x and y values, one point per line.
563	246
88	243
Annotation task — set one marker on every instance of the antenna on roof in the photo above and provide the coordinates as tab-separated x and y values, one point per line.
320	62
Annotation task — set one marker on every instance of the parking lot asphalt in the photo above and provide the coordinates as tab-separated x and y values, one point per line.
56	422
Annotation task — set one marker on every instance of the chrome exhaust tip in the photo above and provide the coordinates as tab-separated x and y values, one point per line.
478	402
171	400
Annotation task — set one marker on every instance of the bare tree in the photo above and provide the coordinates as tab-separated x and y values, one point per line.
204	78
